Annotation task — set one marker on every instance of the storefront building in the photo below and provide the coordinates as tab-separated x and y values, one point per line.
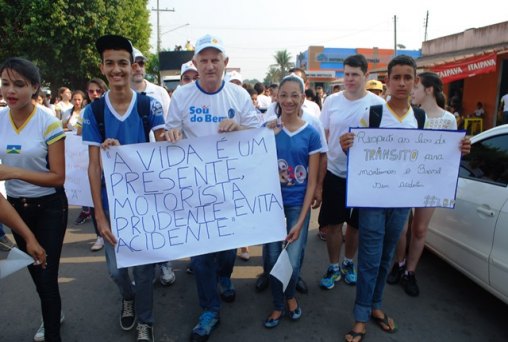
325	66
474	67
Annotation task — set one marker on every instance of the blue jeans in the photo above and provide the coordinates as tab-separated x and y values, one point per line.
46	217
271	252
379	231
142	292
207	269
505	117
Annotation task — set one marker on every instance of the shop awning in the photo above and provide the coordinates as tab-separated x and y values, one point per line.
467	67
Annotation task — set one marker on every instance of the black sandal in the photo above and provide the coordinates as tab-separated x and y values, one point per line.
384	323
354	335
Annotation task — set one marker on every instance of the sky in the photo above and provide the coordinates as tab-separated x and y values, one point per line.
252	31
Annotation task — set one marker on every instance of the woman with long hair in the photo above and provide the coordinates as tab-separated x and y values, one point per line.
428	94
33	166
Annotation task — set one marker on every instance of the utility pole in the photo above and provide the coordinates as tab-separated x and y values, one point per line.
394	35
158	10
426	24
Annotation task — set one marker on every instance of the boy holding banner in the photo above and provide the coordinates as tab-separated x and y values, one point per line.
120	123
380	228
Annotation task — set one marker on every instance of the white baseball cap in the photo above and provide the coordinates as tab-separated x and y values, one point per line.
209	41
189	66
233	75
138	54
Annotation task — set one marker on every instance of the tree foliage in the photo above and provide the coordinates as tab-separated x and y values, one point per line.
59	36
280	69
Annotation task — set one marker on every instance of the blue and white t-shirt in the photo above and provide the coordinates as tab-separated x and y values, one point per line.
127	128
198	113
293	151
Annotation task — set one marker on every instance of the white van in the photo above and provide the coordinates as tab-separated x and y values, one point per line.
171	82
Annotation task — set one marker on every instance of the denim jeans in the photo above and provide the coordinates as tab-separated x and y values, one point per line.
207	269
271	252
379	231
505	117
142	292
47	218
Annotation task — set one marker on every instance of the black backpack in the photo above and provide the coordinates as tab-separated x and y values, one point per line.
376	113
143	107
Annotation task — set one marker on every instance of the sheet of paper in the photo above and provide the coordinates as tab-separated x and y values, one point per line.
15	261
283	269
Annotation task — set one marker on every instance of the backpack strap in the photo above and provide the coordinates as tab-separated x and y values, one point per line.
420	117
375	115
98	112
144	110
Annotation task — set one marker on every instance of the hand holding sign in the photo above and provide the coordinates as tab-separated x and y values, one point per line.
401	168
197	196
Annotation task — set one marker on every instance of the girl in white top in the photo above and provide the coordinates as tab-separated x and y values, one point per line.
33	166
71	116
428	93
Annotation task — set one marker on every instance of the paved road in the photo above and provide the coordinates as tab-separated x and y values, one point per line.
450	307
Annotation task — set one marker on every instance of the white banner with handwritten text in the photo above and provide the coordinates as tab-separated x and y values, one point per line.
202	195
401	168
77	186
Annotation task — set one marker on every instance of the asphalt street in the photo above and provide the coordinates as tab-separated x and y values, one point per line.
449	308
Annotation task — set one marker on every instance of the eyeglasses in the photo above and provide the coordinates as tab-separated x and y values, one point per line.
140	63
93	91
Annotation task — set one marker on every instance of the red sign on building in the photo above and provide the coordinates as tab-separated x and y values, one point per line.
467	67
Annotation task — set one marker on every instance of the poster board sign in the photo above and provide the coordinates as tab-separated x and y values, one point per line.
201	195
401	168
77	186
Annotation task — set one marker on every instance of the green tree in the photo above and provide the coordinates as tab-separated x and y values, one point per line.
283	63
152	68
272	76
59	36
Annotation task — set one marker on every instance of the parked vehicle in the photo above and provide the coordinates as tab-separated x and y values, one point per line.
473	237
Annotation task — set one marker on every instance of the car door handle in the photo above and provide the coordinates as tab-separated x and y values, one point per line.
485	211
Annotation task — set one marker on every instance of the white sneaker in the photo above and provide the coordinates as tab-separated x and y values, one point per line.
98	245
39	335
167	276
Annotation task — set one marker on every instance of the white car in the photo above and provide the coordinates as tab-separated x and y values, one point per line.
473	237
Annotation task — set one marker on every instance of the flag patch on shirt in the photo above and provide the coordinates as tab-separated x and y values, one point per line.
13	149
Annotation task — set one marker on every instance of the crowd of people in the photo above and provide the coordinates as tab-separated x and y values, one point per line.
311	129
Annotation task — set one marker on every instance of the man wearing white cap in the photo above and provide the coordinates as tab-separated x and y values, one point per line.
140	85
226	108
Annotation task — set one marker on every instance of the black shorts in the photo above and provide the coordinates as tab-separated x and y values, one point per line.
333	208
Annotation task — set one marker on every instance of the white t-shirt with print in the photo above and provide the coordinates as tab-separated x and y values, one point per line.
198	113
26	147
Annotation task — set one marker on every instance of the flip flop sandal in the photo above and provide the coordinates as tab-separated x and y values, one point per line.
354	335
384	323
